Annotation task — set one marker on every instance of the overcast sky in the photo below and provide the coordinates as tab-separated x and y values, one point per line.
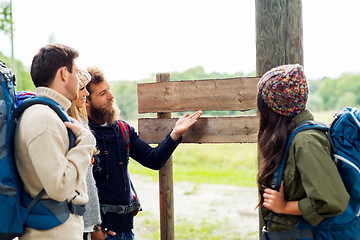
131	40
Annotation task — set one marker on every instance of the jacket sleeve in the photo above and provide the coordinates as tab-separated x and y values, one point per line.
325	191
151	157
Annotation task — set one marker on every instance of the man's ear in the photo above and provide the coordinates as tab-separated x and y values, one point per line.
64	73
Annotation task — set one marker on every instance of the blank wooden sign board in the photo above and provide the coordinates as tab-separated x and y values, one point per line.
233	94
165	97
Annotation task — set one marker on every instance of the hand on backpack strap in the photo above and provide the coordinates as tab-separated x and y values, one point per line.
74	126
275	201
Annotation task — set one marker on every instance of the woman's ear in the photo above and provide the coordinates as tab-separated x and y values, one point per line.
87	102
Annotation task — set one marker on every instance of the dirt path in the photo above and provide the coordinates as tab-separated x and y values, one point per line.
196	203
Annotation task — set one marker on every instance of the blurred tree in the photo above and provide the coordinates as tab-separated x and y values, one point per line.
199	73
346	100
338	92
126	98
23	79
6	25
315	103
326	90
5	17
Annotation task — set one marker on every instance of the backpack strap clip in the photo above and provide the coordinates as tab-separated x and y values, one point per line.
76	209
120	209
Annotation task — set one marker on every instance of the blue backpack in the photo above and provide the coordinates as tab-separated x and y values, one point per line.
344	137
17	208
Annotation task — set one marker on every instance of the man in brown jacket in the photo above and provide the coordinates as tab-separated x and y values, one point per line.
42	150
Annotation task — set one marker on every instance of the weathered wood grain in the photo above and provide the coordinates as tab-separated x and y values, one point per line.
242	129
166	182
279	34
232	94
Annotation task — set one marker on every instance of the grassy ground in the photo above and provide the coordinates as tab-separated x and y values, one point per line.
220	230
233	164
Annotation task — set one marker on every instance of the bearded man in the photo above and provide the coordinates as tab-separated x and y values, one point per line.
111	170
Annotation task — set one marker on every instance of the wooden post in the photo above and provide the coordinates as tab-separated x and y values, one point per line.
279	36
166	185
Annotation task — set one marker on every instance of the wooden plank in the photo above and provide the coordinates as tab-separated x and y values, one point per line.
231	94
241	129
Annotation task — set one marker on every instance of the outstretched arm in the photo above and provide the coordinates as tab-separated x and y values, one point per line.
183	124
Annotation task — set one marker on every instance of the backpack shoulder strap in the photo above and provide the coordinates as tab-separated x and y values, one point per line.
60	111
50	204
277	176
126	134
125	131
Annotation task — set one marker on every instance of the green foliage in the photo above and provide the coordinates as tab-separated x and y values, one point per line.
199	73
126	98
348	99
314	85
5	17
315	103
219	230
22	75
335	94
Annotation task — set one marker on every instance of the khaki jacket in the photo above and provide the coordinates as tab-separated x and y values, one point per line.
44	160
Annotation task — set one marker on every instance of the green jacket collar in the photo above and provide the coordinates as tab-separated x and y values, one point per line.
304	116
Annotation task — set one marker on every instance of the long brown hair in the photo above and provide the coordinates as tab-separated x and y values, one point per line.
272	136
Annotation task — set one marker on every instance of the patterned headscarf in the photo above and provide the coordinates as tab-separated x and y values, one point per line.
84	78
284	89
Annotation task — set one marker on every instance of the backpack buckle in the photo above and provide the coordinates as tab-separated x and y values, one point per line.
71	206
121	209
76	209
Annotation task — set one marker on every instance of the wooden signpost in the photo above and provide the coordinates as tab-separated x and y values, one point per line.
165	96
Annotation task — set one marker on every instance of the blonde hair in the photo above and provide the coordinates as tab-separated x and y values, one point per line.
81	112
77	113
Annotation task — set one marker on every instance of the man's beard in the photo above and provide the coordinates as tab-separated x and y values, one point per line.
105	114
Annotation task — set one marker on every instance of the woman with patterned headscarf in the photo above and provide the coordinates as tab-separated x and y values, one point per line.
311	187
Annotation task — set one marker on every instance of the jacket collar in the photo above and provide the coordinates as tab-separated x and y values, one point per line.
54	95
301	117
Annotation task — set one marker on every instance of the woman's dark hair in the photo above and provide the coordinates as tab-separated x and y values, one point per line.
272	136
47	62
